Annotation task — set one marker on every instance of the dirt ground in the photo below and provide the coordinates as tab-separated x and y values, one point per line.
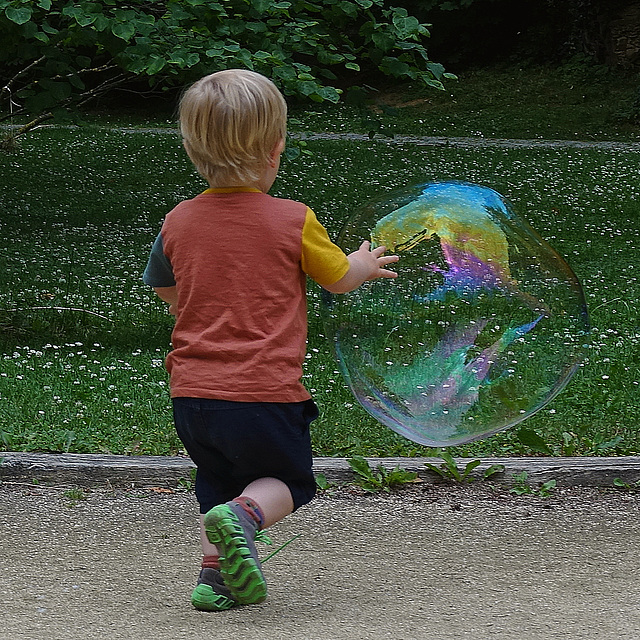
435	562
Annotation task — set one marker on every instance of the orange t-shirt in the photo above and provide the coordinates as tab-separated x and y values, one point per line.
238	258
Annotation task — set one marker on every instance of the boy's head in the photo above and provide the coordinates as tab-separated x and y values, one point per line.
230	122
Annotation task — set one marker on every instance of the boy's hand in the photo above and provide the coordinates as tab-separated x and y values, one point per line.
365	264
374	261
170	296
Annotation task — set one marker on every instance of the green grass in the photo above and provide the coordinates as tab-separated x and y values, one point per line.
80	209
532	103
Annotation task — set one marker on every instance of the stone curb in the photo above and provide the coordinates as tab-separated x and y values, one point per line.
88	470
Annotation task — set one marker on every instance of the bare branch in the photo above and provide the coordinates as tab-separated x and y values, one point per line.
102	88
9	141
14	114
7	87
104	67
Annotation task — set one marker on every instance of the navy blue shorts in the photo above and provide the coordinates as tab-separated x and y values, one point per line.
234	443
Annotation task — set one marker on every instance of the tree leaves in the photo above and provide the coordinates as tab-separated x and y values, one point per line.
19	15
123	30
88	47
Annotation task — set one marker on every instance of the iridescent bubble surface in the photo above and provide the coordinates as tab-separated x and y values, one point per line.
485	324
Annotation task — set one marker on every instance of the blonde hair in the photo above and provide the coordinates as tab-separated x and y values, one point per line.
230	122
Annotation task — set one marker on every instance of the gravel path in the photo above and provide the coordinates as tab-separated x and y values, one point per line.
438	141
429	562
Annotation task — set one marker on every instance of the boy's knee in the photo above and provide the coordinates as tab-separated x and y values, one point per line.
302	492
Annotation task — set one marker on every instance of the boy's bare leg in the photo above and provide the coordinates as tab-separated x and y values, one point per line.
228	533
208	549
273	497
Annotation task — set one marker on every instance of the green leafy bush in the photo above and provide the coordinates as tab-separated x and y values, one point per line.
57	54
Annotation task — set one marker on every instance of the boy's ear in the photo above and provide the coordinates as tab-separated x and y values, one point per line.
277	150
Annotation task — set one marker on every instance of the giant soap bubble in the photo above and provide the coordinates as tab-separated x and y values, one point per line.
485	324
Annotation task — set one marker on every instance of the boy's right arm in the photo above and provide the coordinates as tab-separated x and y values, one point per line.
160	272
169	295
364	264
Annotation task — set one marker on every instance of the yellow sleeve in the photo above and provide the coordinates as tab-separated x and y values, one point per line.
321	259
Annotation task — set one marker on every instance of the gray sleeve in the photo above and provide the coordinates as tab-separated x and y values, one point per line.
159	272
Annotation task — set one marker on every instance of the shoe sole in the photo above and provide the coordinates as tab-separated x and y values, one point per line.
241	573
204	598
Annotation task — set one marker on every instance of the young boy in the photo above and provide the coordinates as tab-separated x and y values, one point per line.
232	264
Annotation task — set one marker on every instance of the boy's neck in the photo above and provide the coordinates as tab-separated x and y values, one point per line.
216	188
267	176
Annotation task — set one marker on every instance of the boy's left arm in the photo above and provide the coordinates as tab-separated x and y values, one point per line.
331	268
364	264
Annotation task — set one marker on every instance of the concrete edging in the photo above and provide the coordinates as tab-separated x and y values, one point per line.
91	470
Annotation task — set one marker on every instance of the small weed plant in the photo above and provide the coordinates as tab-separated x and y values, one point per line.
449	469
626	486
322	483
379	479
188	483
74	495
522	487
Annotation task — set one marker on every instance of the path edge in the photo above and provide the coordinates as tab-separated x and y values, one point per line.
96	470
